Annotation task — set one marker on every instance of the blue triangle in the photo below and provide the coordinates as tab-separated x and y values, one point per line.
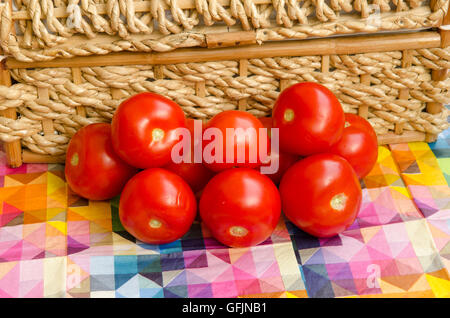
175	292
316	284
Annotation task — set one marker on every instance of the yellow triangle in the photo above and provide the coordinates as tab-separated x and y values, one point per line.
439	286
94	211
402	190
54	183
383	153
59	225
290	295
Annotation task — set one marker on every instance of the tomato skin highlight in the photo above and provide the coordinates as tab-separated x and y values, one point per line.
143	129
310	119
358	144
235	119
195	174
157	206
92	169
241	207
321	194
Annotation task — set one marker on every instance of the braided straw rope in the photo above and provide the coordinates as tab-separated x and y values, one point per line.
103	88
43	29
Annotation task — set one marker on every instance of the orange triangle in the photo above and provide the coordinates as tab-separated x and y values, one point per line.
35	216
29	197
442	273
27	178
404	282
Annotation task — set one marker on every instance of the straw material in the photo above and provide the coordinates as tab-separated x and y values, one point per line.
49	100
41	30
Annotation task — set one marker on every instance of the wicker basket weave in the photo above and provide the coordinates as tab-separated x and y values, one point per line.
216	55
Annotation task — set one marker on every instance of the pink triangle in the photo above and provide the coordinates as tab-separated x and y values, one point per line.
222	254
379	246
8	208
37	237
272	271
240	274
9	283
226	276
14	253
29	250
8	217
246	262
37	291
216	259
402	249
361	255
199	275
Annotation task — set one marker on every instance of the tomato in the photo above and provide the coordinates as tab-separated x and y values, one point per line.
321	194
310	119
157	206
358	144
241	207
144	129
195	174
241	151
93	170
285	160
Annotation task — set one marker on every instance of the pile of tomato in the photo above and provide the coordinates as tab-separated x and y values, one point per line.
321	156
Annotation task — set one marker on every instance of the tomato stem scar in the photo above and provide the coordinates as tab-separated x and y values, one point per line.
155	224
75	159
338	202
347	124
238	231
289	115
157	134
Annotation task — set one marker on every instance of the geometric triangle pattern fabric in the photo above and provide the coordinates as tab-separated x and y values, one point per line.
54	243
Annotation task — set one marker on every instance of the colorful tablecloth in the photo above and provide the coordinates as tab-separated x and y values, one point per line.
56	244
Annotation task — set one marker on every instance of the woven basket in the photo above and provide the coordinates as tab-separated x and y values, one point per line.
69	64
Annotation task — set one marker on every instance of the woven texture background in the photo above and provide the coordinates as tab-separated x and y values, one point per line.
52	95
44	29
55	244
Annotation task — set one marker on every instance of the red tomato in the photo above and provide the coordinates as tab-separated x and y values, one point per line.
310	119
249	143
321	194
93	170
195	174
157	206
285	160
144	129
358	144
241	207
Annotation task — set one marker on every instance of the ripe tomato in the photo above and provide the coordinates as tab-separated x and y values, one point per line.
195	174
93	170
358	144
285	160
310	119
240	151
144	129
321	194
157	206
240	206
